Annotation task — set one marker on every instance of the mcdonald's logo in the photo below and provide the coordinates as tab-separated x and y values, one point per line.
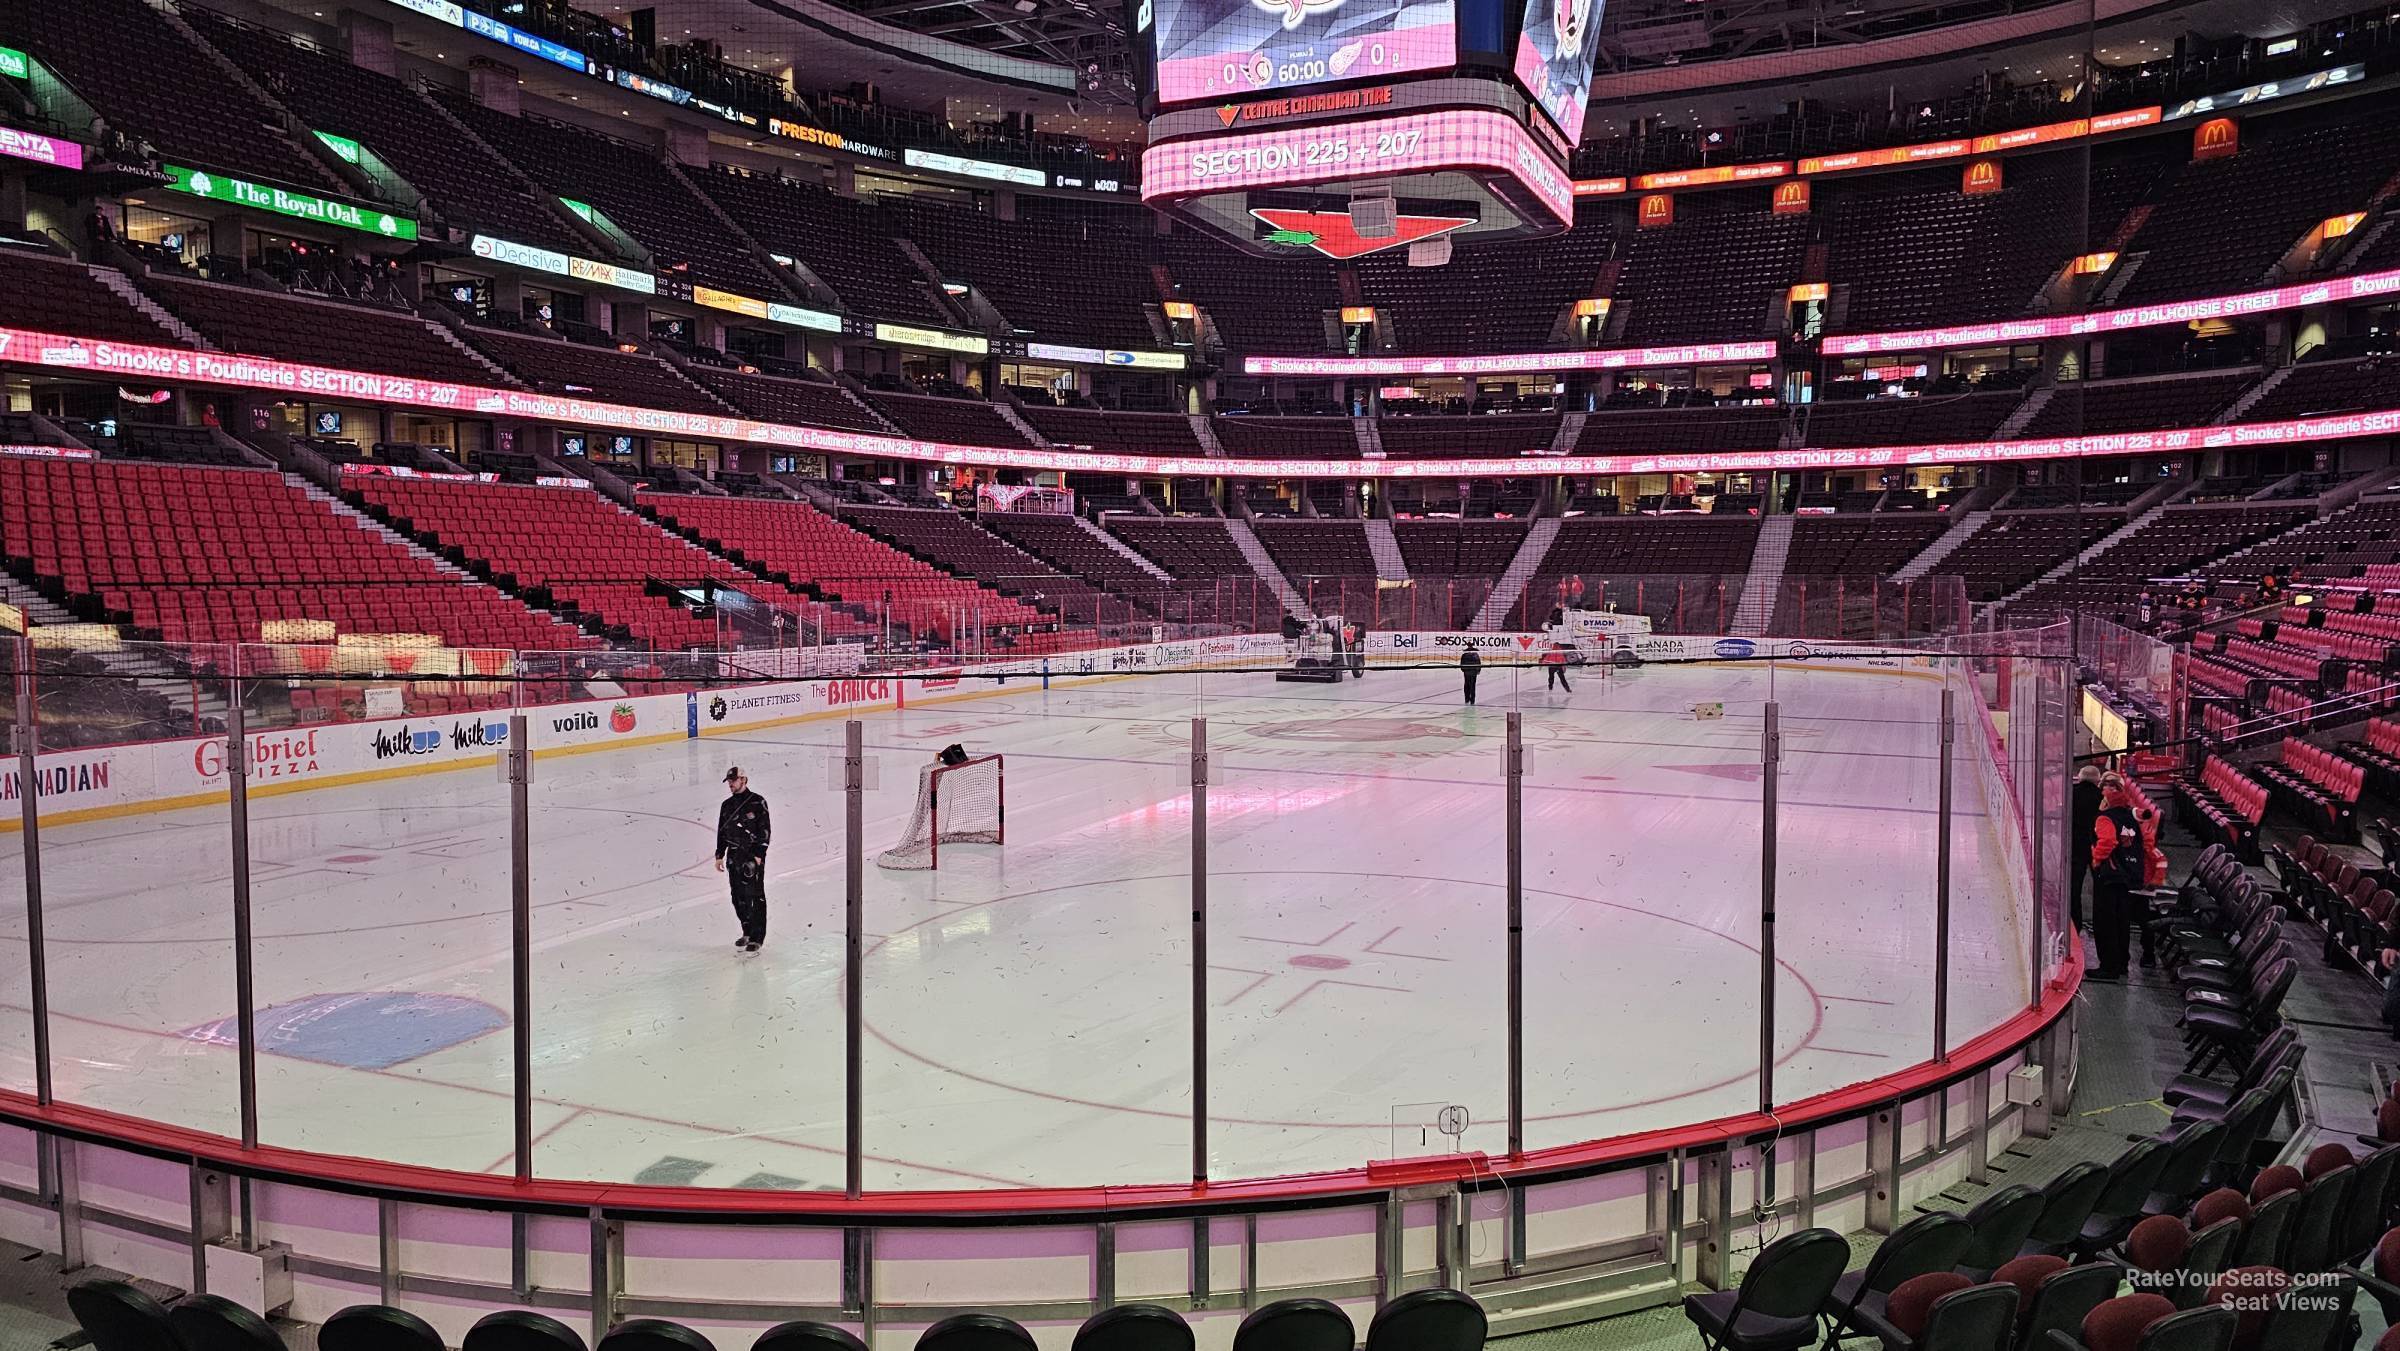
1791	197
1981	177
1658	209
2215	138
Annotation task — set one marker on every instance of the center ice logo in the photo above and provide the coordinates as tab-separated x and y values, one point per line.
1293	11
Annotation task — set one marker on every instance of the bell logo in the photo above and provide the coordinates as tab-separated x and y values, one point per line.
1982	176
2216	138
1658	209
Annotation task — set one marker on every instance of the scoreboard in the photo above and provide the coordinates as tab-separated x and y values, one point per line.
1350	126
1221	49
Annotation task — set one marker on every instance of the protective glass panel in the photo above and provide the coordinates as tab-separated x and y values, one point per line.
379	882
1356	905
661	1052
16	968
1990	862
1642	832
137	866
1857	824
1028	946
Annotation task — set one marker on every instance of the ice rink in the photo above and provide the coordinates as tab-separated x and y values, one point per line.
1028	1005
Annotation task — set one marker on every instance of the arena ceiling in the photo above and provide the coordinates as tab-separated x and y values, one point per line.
1068	60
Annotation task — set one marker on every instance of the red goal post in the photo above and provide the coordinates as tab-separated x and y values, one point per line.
963	803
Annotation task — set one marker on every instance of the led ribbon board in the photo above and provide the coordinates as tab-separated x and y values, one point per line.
1469	140
2332	290
101	358
1097	356
1625	358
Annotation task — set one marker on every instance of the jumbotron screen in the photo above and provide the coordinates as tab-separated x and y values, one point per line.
1554	58
1216	49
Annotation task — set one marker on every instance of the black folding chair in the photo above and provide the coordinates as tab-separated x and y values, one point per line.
2000	1222
975	1332
1926	1244
653	1334
377	1327
520	1330
1134	1327
119	1317
215	1323
802	1334
1775	1307
1295	1325
1428	1320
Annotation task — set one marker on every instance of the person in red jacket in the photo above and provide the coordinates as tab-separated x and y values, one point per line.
2120	863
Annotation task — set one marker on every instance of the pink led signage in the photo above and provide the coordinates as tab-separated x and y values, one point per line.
113	360
1466	139
1627	358
40	149
2366	285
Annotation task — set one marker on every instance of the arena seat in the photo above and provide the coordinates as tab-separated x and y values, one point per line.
951	541
1116	432
1016	264
49	294
2220	224
1070	545
205	555
970	422
141	73
854	570
634	188
474	190
1710	277
554	366
846	242
777	398
2223	805
580	548
263	323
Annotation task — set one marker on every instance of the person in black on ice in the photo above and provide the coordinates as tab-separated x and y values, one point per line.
742	832
1470	665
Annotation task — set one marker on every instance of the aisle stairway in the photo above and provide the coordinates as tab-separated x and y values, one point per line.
1959	533
1520	571
1384	543
1246	540
1126	551
1756	609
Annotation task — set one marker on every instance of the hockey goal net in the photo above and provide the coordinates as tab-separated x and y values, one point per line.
956	804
